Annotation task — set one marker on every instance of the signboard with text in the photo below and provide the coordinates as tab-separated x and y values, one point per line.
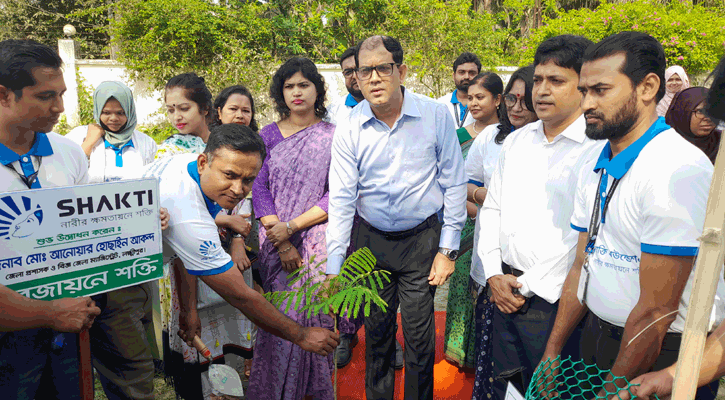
81	240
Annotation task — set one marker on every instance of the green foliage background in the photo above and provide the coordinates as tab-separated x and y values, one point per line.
693	37
243	41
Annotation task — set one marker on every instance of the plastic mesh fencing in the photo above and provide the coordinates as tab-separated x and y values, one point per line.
567	379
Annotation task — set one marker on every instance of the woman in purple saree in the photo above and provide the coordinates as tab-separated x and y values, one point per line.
290	199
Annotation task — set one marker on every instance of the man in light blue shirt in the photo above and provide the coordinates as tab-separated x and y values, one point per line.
396	161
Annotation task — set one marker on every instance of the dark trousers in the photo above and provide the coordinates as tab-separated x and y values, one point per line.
601	341
119	344
519	341
409	260
39	364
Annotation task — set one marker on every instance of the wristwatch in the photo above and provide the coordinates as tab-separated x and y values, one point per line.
290	231
451	254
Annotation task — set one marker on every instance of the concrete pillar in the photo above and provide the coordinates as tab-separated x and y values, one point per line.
67	52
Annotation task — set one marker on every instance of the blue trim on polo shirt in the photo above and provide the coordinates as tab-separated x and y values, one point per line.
41	148
119	152
211	206
578	228
461	107
350	101
669	250
620	164
215	271
477	183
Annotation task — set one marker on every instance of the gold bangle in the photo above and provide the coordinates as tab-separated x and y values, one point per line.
285	250
474	195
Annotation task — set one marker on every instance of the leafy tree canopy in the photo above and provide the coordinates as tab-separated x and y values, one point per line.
44	20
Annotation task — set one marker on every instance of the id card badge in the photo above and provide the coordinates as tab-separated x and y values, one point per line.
581	292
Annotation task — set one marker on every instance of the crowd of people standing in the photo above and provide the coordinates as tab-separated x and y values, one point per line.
562	207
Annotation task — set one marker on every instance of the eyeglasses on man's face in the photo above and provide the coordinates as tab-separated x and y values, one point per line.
348	72
383	70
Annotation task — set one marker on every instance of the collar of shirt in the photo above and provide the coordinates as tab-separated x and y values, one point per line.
409	108
41	148
454	101
211	206
573	132
620	164
350	101
119	152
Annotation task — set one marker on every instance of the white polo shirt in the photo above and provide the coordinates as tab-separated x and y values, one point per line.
192	233
658	207
60	161
525	220
456	109
339	111
106	164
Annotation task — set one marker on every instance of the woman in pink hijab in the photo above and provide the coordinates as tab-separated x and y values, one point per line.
675	80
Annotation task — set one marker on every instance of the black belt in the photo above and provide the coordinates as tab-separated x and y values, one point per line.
671	341
428	223
509	270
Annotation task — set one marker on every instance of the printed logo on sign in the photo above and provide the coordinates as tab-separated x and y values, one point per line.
19	219
210	250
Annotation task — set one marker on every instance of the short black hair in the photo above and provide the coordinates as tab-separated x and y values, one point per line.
195	89
391	44
467	58
565	51
221	101
350	52
526	74
643	55
18	58
309	71
716	96
235	137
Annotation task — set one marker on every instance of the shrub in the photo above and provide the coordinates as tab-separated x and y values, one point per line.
692	36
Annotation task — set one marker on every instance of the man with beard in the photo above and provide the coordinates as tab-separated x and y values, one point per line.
639	209
526	243
340	110
713	362
465	68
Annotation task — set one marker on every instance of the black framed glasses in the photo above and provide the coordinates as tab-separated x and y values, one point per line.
511	99
700	113
348	72
383	70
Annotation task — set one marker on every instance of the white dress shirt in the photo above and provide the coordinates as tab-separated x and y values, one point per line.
480	164
102	164
658	207
395	177
525	220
